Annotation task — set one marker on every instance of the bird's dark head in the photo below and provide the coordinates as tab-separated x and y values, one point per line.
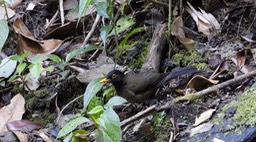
114	77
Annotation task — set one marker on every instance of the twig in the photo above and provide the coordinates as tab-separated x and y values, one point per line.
215	88
92	29
61	12
138	116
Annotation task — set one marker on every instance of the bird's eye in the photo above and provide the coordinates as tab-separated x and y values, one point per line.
113	76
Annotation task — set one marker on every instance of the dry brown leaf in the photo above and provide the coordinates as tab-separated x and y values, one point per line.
45	137
23	125
27	42
241	58
21	136
32	84
13	111
220	69
206	22
177	30
204	117
199	82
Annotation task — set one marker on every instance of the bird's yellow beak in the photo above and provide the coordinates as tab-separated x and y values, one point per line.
105	80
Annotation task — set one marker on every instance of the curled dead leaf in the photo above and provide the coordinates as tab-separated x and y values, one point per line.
27	42
199	83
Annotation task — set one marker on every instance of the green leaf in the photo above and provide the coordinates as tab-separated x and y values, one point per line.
68	138
79	51
95	101
4	32
135	31
21	67
83	4
96	112
104	31
112	125
102	9
7	67
116	100
16	58
24	55
101	136
109	92
36	59
122	24
49	68
78	139
54	58
91	90
71	125
36	70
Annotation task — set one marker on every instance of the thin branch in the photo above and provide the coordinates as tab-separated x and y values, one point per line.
215	88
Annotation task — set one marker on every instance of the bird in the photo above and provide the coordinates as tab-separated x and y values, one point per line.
138	88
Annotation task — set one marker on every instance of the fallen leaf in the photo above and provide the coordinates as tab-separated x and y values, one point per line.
204	117
13	111
45	137
206	22
7	67
32	84
27	42
21	136
177	30
23	125
199	82
200	129
220	69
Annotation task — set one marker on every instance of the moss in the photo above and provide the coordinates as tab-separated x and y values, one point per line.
45	117
190	58
161	127
141	58
245	114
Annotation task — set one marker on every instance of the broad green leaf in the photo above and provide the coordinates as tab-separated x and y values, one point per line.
16	58
96	112
49	68
122	24
4	32
104	31
79	51
71	125
68	138
7	67
102	9
91	90
101	136
95	101
54	58
24	55
112	125
36	59
36	70
21	67
116	100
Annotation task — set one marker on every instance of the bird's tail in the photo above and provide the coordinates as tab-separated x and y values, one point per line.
179	72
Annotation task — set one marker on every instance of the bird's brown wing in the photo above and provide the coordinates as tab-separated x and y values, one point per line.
140	83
